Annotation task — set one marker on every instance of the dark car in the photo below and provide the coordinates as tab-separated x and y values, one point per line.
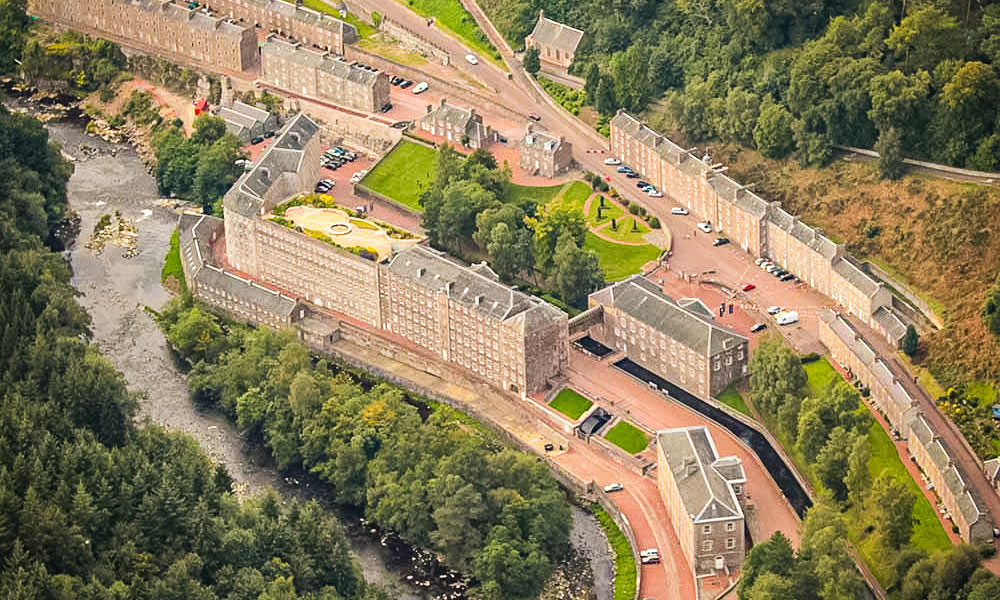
405	83
534	117
758	327
641	184
332	166
632	175
386	107
256	140
400	125
721	241
787	277
780	273
501	139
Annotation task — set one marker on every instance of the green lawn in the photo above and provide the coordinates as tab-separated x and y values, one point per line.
624	230
452	17
576	195
364	29
732	398
927	530
172	262
608	212
625	566
523	194
404	174
620	261
820	374
627	437
570	403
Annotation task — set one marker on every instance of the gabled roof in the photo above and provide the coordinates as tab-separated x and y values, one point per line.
314	59
469	287
556	35
643	300
258	114
542	140
703	480
887	319
856	277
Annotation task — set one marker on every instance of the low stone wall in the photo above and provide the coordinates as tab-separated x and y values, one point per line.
358	132
901	289
414	41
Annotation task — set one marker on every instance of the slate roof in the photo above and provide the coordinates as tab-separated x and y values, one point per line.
258	114
894	327
703	479
194	17
283	156
238	120
752	203
556	35
643	300
307	57
310	16
541	139
858	278
469	287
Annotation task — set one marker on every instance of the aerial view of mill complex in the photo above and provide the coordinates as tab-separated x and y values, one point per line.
499	300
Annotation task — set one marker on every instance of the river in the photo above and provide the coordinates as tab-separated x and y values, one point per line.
115	290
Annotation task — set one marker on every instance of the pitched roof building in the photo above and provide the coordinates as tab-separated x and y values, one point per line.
556	43
704	496
680	343
310	27
247	122
545	154
454	123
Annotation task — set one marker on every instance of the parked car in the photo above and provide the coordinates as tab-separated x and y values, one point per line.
614	487
788	277
534	117
650	552
400	125
471	59
771	268
720	241
502	139
332	166
386	107
787	318
679	210
321	188
256	140
420	87
624	169
648	188
329	182
612	161
651	560
764	265
773	310
760	261
632	175
748	287
642	184
779	273
405	83
359	176
705	226
758	327
396	80
655	193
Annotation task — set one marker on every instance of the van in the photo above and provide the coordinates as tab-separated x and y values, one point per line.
787	318
678	211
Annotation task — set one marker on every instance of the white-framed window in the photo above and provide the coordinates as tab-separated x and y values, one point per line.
730	543
730	526
706	529
706	545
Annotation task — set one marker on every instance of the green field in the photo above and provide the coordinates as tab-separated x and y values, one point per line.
625	232
570	403
404	174
732	398
619	261
452	17
172	262
608	212
928	533
625	566
576	195
627	437
364	29
820	374
524	194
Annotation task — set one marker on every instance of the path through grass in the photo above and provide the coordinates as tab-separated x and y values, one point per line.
404	174
627	437
570	403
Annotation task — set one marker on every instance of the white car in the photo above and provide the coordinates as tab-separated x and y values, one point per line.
679	211
705	226
471	59
612	161
655	194
359	176
787	318
773	310
420	87
649	552
614	487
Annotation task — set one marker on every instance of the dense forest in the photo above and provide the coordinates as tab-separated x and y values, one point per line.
911	78
443	483
91	505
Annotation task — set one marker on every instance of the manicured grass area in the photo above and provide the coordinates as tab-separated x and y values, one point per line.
625	566
523	194
452	17
627	437
820	374
619	261
609	211
404	174
570	403
576	194
172	262
624	230
364	29
732	398
928	533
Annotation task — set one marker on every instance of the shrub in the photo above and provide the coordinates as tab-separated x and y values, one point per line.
633	208
809	358
654	222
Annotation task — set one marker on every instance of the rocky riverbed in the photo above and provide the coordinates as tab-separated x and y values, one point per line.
116	288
